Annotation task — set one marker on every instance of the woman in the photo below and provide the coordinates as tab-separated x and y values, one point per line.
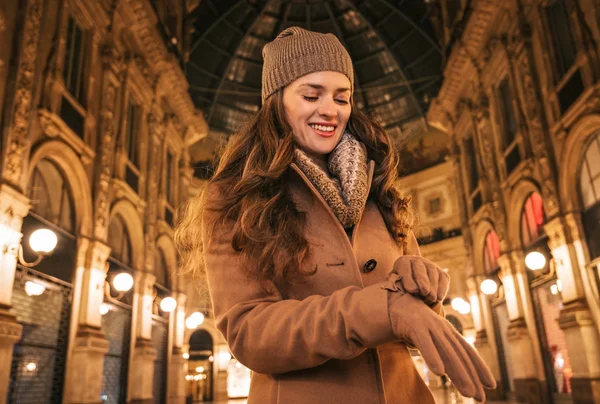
308	248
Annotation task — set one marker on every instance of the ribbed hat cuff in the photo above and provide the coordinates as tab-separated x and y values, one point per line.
292	70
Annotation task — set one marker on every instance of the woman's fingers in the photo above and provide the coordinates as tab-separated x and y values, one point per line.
455	368
461	350
443	285
421	277
424	343
485	375
434	277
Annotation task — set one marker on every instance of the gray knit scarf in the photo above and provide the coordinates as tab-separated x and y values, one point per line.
346	193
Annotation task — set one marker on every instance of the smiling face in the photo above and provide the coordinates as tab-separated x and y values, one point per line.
318	108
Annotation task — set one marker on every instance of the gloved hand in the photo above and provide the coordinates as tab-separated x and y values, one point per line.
421	277
444	350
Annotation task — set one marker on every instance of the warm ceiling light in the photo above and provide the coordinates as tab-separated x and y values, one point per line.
43	241
31	366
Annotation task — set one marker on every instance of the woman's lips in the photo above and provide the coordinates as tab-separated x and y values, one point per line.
323	133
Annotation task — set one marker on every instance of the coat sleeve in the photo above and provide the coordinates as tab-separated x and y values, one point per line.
271	335
412	248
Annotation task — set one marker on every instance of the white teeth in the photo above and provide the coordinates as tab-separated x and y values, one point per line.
322	128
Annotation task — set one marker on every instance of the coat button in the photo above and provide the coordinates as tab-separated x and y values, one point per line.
370	265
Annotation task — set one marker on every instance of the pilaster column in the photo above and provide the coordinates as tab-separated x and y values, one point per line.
13	207
83	381
141	371
485	341
178	366
528	370
576	317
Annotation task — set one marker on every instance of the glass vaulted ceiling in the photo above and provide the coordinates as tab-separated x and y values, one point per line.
396	58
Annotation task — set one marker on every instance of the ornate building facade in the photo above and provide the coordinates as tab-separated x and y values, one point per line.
96	123
520	102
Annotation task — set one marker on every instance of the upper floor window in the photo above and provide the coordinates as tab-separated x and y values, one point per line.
170	179
491	252
590	195
131	142
51	197
132	133
532	219
509	146
562	37
73	66
472	174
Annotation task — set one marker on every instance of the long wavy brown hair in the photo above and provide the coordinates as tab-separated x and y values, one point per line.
255	205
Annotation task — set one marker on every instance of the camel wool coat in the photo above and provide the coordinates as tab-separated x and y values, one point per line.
328	339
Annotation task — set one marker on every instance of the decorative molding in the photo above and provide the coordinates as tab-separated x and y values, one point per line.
165	66
461	63
107	150
21	112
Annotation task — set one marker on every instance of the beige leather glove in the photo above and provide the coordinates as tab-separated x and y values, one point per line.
421	277
444	350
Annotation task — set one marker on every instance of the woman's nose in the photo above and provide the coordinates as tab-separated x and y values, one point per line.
327	108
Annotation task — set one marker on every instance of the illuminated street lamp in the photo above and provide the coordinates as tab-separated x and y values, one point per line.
535	260
461	305
123	282
194	320
168	304
43	241
489	287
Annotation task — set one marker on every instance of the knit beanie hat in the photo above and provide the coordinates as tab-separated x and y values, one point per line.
297	52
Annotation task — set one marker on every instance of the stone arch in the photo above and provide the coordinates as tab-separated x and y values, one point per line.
165	244
70	165
481	230
131	217
571	158
518	197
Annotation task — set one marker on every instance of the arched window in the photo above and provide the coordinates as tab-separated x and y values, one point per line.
532	219
118	241
50	196
590	195
491	251
161	270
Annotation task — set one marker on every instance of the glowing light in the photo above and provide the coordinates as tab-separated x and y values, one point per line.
194	320
168	304
554	289
123	282
211	358
186	355
31	367
104	308
489	286
461	305
43	241
34	288
535	260
200	369
470	340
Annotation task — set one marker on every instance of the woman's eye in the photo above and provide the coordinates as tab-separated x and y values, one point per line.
311	99
343	102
